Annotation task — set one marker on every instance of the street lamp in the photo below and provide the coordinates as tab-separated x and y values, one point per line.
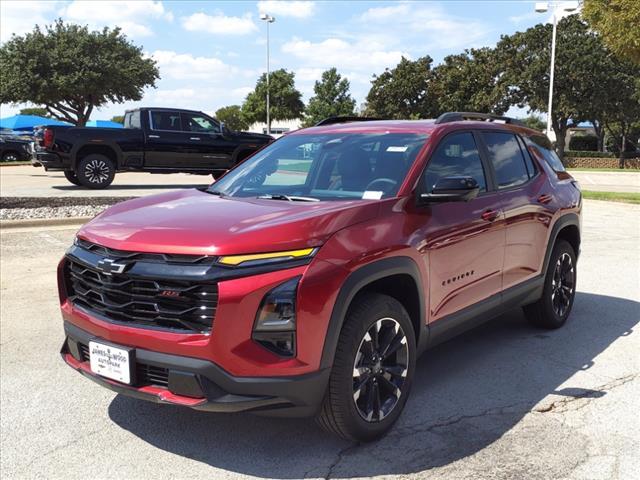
542	7
269	19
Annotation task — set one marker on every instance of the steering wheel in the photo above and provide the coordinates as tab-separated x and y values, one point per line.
388	181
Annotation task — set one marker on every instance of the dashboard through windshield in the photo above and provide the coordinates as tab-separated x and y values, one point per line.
338	166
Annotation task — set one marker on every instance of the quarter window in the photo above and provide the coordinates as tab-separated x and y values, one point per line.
507	159
543	145
457	155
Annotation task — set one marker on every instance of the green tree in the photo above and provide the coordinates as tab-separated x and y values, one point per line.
284	99
70	70
525	57
468	82
38	111
403	92
618	21
232	117
331	98
118	119
534	122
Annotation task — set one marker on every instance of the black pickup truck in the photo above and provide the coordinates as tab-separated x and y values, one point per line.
155	140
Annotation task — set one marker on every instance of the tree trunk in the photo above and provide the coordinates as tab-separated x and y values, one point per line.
599	131
623	144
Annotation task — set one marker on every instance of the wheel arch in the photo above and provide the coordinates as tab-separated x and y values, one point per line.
567	227
109	151
398	277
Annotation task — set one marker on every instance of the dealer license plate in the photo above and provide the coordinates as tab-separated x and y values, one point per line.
111	362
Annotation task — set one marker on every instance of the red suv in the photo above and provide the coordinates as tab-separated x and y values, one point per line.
307	280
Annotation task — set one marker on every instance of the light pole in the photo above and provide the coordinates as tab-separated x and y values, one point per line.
269	19
542	7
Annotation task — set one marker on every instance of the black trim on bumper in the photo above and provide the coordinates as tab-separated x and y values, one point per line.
292	396
51	161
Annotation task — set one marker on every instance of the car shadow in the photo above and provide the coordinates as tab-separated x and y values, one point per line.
467	394
159	186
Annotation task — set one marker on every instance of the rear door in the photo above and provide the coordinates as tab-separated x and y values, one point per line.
524	197
167	145
211	149
463	241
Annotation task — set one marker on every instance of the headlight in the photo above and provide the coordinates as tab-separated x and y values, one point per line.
275	324
264	258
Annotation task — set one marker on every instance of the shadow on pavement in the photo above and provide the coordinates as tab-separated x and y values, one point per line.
466	395
159	186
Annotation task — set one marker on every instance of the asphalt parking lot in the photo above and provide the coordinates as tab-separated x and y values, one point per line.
503	401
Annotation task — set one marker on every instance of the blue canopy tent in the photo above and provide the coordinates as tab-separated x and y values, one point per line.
104	124
27	122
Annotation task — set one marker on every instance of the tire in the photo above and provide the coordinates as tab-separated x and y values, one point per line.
218	173
346	410
553	308
71	177
95	171
10	156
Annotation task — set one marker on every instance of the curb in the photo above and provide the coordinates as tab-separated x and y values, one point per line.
15	164
42	222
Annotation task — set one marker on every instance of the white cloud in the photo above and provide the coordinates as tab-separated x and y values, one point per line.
296	9
219	24
19	17
184	66
363	54
133	17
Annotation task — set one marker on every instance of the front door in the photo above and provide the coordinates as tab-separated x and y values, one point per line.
213	150
463	241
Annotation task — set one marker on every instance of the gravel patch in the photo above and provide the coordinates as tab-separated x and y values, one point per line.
21	208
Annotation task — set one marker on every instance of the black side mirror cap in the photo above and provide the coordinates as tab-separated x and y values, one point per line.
452	189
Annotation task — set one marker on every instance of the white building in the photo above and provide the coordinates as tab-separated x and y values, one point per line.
278	127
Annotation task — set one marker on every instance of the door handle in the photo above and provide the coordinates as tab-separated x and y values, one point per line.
194	138
154	136
545	198
490	215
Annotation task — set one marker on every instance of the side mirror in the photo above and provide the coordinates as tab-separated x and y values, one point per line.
452	189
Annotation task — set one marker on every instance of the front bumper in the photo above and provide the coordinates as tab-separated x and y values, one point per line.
203	385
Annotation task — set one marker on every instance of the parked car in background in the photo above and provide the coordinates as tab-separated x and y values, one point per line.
14	148
154	140
308	279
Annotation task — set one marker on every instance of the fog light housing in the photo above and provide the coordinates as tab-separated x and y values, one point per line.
275	324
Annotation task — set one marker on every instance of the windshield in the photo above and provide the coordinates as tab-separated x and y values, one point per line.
335	166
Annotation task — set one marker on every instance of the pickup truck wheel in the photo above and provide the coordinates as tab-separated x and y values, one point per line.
72	177
10	157
95	171
553	308
218	173
372	370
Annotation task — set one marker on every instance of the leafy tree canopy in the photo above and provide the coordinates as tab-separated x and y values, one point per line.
403	92
469	82
38	111
285	100
232	117
118	119
618	21
535	122
331	98
71	70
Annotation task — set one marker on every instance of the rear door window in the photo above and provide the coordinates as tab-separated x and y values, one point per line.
507	159
166	120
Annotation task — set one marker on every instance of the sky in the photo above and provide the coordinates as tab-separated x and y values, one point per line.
210	54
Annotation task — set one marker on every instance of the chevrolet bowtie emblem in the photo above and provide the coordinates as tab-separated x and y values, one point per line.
110	267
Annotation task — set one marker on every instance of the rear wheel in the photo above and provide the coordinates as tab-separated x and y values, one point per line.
553	308
95	171
372	371
71	177
10	157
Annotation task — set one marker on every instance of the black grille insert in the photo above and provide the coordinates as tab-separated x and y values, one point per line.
182	305
145	374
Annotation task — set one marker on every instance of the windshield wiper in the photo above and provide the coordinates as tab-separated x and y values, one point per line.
289	198
213	192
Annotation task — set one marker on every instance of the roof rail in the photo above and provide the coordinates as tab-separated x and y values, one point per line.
487	117
344	119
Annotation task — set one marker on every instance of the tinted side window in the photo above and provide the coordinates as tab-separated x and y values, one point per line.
199	124
165	120
544	147
457	155
507	159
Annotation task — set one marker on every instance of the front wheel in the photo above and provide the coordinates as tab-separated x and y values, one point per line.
372	371
71	177
95	171
553	308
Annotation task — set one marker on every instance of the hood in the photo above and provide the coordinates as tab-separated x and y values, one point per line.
198	223
259	138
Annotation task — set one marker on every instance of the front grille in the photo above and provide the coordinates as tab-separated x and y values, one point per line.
180	305
145	374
